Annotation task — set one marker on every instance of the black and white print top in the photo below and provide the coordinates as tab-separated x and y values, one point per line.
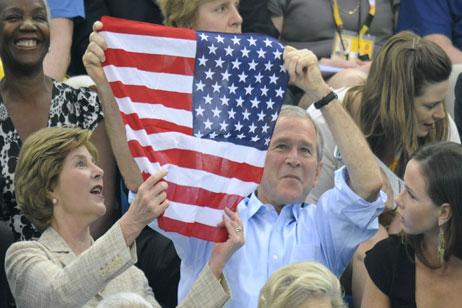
69	107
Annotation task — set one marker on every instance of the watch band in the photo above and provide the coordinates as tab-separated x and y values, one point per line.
325	100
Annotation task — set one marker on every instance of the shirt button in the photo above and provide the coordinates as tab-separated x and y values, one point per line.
275	258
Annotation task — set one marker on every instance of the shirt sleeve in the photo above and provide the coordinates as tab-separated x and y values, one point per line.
38	280
66	8
194	254
207	291
453	133
425	17
90	110
276	7
344	220
379	263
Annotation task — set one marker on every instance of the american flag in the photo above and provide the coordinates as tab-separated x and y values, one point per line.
202	105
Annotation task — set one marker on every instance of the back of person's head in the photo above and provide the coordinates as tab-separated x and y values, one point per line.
39	165
124	300
441	165
403	67
296	284
180	13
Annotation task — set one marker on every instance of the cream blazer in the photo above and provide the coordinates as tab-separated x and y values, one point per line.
46	273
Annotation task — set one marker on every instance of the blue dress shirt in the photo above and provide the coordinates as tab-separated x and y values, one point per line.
327	232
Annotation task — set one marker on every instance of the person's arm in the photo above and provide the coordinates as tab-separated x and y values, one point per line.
34	276
359	271
39	280
374	297
150	202
329	162
221	252
278	21
444	42
58	58
107	163
210	288
92	59
364	173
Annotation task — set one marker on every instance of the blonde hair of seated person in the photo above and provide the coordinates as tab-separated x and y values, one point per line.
299	283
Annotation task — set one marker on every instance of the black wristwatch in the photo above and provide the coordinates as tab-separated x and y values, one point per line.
325	100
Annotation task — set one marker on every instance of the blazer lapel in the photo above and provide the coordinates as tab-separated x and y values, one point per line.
57	246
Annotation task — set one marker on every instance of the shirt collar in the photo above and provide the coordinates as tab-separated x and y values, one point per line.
254	205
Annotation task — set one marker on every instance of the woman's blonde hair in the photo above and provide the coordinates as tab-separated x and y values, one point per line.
180	13
294	284
39	165
404	66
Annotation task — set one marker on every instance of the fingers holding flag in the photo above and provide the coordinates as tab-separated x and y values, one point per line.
150	202
153	196
223	251
303	68
233	225
94	54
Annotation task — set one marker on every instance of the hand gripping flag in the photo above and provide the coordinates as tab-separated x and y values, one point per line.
202	105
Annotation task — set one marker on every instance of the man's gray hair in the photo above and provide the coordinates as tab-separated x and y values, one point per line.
297	112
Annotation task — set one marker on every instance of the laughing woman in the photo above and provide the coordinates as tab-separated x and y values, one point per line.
59	188
29	101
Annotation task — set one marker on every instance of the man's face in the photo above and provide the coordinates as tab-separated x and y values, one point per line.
291	167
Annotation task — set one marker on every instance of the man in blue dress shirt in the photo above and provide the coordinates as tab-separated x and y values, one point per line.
279	228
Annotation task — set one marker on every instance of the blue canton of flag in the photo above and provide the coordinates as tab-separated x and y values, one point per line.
238	88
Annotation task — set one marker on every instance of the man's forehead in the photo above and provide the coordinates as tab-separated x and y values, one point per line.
290	126
297	123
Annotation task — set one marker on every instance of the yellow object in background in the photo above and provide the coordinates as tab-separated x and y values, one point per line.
353	44
2	73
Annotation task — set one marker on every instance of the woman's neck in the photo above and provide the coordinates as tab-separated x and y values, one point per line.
76	234
20	87
430	252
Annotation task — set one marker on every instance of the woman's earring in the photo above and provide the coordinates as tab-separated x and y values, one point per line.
441	245
54	201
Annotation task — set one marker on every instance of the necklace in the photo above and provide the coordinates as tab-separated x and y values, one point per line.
352	11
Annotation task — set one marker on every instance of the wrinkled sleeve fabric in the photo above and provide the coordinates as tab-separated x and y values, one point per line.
38	281
344	220
194	254
196	278
75	107
207	291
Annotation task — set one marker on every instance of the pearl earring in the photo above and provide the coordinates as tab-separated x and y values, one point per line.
54	200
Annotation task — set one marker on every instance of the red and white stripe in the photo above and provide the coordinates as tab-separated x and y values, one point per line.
151	70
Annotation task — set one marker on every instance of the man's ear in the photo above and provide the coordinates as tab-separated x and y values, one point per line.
445	214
